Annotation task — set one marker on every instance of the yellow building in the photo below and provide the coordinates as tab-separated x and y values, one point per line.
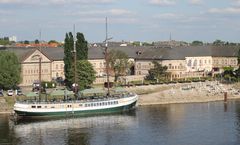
182	62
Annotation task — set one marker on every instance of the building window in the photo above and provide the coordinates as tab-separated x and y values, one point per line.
195	63
189	63
234	61
56	66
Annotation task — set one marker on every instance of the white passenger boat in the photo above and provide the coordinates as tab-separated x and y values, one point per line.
84	107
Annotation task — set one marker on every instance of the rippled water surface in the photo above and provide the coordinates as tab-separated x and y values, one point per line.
179	124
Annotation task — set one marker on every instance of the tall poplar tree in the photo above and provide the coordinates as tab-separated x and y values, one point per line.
82	54
68	57
81	47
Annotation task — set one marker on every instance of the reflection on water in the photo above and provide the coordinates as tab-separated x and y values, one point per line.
212	123
69	130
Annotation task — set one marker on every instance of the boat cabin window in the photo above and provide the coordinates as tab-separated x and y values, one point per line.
91	104
52	107
109	103
39	106
80	105
33	106
85	105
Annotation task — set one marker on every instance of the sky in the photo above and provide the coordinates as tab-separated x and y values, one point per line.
128	20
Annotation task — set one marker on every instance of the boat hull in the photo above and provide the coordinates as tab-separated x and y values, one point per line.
77	112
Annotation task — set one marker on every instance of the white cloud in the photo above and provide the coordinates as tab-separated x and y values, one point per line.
5	12
229	10
112	12
59	2
196	2
236	2
163	2
111	20
168	16
81	1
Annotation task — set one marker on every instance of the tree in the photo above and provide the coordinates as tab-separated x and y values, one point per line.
85	74
68	58
81	47
218	42
81	53
157	72
10	70
228	73
26	42
36	41
197	43
4	42
118	62
238	60
52	41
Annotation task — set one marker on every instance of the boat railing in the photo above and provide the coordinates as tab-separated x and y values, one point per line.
112	97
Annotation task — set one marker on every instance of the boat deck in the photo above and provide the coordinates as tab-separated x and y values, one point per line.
85	100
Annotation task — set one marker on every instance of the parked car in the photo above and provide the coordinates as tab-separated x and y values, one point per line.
10	92
19	92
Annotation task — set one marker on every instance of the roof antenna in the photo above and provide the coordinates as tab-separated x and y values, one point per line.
170	40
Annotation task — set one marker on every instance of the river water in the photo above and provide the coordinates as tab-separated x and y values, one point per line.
212	123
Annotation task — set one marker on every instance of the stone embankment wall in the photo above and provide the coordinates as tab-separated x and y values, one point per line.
184	93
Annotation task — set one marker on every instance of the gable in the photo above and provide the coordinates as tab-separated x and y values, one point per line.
34	57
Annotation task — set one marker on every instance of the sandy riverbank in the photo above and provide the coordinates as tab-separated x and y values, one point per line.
185	93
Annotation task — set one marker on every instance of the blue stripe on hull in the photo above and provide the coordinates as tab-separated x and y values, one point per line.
78	113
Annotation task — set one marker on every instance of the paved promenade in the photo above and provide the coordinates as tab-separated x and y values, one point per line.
185	93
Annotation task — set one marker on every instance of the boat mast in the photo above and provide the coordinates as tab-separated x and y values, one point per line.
40	65
106	57
75	59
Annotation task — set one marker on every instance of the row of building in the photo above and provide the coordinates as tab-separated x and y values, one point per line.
182	61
